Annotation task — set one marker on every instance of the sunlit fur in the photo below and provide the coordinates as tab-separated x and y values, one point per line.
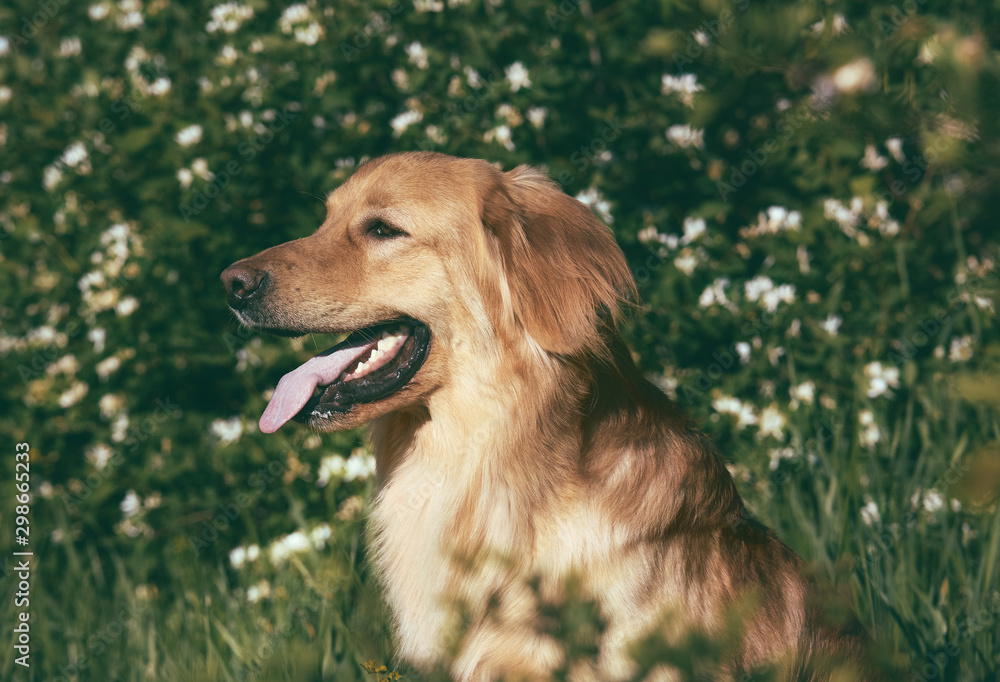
529	445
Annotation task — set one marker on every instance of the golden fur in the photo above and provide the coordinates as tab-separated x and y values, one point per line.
529	445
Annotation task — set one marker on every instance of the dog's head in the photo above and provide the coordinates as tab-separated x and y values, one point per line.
426	261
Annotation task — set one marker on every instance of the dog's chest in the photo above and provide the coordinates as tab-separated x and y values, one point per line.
410	519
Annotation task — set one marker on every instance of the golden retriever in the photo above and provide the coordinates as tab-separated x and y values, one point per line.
515	440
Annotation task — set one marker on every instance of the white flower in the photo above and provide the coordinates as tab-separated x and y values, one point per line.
983	303
772	422
831	324
685	136
237	556
5	94
804	392
746	416
98	337
417	55
360	465
715	293
4	46
686	261
129	20
870	434
881	379
537	116
74	394
895	147
119	427
131	504
227	56
961	349
742	411
762	288
294	14
782	294
185	177
309	34
69	47
872	160
517	76
330	467
228	17
258	591
855	76
686	84
189	135
111	404
291	544
502	136
160	86
99	455
97	12
51	177
227	430
839	25
127	306
727	404
200	168
693	228
778	454
592	197
319	535
743	350
106	366
933	501
869	513
404	120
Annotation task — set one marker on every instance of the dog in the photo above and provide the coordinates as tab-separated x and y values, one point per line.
516	443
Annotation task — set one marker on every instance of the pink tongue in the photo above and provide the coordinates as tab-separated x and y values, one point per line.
296	388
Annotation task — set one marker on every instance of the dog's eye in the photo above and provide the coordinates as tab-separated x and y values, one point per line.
382	231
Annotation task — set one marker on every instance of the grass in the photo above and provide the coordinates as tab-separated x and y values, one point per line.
923	579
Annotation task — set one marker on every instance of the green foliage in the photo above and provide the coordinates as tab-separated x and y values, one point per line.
810	194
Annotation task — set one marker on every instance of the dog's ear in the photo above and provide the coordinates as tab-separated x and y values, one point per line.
565	273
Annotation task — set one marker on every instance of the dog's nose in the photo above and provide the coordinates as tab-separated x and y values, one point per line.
242	283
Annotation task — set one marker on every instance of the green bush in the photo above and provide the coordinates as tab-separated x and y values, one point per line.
804	191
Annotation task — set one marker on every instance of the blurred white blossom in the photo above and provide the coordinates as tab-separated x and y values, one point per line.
772	422
684	136
189	135
284	547
856	76
870	433
869	513
685	84
417	55
517	76
831	324
693	229
404	120
228	17
227	430
961	349
881	379
130	504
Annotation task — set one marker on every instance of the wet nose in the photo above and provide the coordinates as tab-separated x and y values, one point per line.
242	284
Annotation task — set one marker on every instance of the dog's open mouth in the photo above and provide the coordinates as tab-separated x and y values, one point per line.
370	364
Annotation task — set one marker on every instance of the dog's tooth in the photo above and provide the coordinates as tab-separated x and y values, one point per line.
385	342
